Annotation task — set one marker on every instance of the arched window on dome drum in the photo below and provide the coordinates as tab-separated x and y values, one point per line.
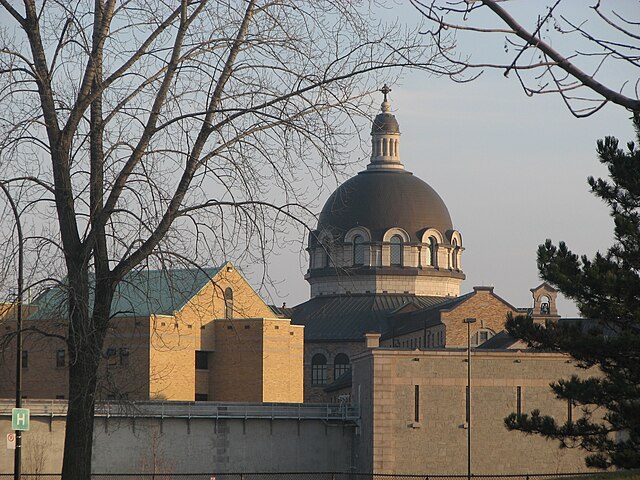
454	255
322	255
396	251
433	252
340	365
228	303
358	250
318	369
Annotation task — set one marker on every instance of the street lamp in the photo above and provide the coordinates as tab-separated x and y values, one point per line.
469	321
17	458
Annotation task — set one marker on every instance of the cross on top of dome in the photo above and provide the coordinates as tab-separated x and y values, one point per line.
385	137
386	106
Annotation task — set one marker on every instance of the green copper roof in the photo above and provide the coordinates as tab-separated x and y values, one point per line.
140	293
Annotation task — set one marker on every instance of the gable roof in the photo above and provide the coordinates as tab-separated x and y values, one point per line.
502	341
349	317
402	323
140	294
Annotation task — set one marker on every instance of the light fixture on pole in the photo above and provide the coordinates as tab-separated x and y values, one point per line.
17	458
469	321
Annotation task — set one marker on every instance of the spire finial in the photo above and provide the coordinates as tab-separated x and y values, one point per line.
386	106
385	90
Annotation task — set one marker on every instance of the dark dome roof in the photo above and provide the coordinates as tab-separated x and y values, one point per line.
385	123
379	200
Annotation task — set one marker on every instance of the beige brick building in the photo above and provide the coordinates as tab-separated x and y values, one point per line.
413	406
175	335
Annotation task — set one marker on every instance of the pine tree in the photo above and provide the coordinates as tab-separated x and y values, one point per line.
606	290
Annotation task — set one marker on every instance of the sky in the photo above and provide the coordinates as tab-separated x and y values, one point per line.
511	169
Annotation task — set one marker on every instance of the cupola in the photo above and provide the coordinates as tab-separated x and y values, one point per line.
384	230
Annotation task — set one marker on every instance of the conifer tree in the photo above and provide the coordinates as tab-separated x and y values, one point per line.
606	290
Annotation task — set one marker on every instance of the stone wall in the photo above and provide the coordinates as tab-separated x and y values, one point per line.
179	445
394	439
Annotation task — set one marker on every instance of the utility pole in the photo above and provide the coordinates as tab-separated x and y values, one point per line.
17	458
469	321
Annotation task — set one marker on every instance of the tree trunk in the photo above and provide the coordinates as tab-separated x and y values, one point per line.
86	339
79	436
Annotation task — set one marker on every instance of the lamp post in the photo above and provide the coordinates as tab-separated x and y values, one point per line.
469	321
17	458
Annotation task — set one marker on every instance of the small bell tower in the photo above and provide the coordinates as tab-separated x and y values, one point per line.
544	304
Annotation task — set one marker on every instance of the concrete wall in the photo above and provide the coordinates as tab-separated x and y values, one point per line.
393	441
198	446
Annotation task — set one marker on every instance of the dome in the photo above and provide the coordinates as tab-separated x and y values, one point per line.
382	199
385	123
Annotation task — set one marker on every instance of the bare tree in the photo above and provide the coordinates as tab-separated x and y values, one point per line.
599	43
138	132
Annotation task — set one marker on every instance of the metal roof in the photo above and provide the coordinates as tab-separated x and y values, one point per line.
381	199
402	323
140	293
349	317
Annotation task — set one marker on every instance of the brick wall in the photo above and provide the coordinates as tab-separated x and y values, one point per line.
489	310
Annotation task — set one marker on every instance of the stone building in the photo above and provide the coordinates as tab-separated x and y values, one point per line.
386	329
384	243
175	335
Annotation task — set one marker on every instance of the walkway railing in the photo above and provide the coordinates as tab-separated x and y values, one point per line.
159	409
316	476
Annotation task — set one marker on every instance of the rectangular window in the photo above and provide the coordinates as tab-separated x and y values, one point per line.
416	414
202	360
25	359
124	357
60	358
59	397
202	397
518	401
569	411
318	374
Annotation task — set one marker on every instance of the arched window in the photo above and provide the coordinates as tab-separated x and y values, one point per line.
318	369
228	303
396	251
454	254
340	365
326	257
481	336
358	250
433	251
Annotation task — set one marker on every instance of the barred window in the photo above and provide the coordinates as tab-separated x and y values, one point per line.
358	250
340	365
318	369
396	251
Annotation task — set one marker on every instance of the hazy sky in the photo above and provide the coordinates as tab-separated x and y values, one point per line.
511	169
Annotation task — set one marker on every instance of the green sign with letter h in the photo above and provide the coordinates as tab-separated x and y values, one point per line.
20	419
